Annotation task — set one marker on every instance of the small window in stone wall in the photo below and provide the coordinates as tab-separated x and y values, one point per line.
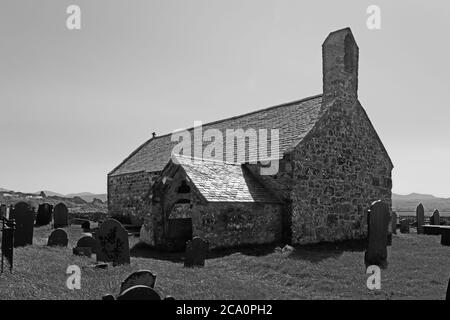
349	54
184	188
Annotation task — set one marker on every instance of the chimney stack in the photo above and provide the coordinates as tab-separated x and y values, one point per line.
154	134
340	55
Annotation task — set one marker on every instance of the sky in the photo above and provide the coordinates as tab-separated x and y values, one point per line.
75	103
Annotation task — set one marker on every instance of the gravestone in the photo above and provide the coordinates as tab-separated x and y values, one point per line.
378	224
139	292
435	219
447	297
44	214
88	242
445	235
431	230
3	211
404	226
420	218
196	252
7	244
113	243
23	215
58	237
60	216
141	277
394	222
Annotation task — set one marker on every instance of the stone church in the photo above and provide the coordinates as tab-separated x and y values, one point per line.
332	165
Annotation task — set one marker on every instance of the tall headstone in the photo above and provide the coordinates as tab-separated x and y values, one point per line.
404	226
394	222
7	245
23	215
196	252
44	214
378	224
3	210
60	216
113	243
420	218
447	297
141	277
58	237
435	219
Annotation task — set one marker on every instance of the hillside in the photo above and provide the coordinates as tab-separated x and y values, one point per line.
409	202
78	207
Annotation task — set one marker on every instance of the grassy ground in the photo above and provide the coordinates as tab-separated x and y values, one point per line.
418	269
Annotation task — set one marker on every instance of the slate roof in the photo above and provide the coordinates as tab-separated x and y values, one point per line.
225	182
293	120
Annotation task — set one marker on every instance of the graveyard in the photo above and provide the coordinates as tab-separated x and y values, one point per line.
323	271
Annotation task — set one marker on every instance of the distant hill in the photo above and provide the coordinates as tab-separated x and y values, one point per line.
88	196
89	205
409	202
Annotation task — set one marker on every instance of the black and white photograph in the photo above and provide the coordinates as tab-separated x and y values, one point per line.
224	155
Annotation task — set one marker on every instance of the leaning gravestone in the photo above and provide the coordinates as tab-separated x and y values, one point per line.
435	219
196	252
44	214
113	243
23	215
420	218
58	237
139	292
404	226
60	216
378	224
394	222
141	277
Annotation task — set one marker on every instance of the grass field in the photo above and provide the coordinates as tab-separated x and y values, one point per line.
418	269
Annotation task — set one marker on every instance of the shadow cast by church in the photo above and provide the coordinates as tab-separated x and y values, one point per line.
311	252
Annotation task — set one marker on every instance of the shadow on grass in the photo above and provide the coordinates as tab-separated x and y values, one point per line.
321	251
311	252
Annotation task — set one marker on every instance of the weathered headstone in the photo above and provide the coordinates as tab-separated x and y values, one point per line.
196	252
420	218
44	214
82	251
141	277
404	226
7	245
139	292
23	215
58	237
435	219
60	216
89	242
394	222
378	223
113	243
447	297
3	210
445	235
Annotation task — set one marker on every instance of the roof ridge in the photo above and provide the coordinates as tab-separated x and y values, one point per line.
244	114
214	122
